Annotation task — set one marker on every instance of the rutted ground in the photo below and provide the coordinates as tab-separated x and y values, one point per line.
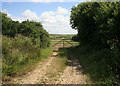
73	75
54	71
40	74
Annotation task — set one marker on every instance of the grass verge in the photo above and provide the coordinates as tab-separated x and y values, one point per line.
102	66
20	56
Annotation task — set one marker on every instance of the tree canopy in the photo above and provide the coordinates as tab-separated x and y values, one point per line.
31	29
98	26
97	23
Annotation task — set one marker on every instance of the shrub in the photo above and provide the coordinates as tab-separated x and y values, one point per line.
103	66
19	52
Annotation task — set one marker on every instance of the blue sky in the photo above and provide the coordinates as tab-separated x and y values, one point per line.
16	8
53	15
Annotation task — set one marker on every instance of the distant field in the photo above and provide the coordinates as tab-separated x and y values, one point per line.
55	38
59	36
67	42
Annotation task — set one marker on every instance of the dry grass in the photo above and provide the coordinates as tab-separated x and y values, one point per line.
55	69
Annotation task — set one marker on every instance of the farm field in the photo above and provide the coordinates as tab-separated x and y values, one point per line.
53	42
63	40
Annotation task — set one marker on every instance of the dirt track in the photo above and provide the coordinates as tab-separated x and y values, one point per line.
71	75
34	76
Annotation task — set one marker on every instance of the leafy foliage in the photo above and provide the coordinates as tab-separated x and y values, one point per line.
19	52
97	23
27	28
75	38
99	36
8	23
24	44
102	66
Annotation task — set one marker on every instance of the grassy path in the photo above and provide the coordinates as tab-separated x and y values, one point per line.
73	75
46	72
55	70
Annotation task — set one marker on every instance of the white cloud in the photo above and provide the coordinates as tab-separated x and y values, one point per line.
28	14
6	12
61	10
55	22
76	5
20	19
55	16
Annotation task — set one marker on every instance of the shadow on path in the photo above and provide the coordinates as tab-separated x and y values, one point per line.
73	74
71	60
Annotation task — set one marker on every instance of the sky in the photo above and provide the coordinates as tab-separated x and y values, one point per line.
54	15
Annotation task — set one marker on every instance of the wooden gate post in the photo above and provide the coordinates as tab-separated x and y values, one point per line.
63	41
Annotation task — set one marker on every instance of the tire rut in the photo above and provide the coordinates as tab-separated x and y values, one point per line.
34	76
73	75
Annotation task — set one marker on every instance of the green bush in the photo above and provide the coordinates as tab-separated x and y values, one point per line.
30	29
98	29
24	44
19	52
97	24
103	66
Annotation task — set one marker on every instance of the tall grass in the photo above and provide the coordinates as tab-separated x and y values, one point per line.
102	66
20	55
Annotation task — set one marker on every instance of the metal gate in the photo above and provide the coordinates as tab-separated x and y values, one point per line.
62	44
